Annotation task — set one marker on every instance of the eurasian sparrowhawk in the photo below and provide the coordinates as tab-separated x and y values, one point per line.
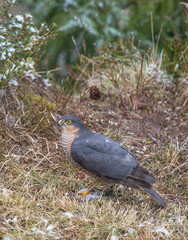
103	159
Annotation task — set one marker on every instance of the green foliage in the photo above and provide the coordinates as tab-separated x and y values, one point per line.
166	14
88	22
93	22
22	44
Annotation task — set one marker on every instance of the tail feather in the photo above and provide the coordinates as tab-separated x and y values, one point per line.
155	195
142	174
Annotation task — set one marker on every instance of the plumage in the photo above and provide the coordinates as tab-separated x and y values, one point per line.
104	158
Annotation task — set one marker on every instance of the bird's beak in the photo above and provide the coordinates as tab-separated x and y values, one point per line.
60	122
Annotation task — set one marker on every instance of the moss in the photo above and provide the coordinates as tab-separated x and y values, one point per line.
37	116
32	100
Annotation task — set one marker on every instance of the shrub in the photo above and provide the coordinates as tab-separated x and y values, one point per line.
88	22
22	44
92	23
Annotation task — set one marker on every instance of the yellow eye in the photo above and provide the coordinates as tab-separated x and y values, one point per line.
68	121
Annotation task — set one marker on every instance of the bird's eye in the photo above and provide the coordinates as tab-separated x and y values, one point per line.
68	121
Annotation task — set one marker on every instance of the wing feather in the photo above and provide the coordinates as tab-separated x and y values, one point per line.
102	156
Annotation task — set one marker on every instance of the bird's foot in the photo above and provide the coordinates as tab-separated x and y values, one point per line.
83	194
87	191
88	194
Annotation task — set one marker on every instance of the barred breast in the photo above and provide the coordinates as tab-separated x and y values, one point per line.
67	140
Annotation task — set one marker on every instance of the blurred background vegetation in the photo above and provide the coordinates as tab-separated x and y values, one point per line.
84	26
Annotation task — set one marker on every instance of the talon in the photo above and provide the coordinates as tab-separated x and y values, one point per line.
83	195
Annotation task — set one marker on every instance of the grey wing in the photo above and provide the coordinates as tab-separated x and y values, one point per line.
103	157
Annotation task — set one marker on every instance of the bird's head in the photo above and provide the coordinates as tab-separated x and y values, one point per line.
70	123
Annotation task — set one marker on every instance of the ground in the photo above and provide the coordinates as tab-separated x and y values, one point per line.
38	184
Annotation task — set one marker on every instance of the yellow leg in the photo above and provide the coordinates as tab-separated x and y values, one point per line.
91	186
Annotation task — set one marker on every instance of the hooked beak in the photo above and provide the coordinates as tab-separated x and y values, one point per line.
60	122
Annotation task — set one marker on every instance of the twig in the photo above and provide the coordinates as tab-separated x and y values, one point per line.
81	98
77	50
152	33
49	71
140	84
184	164
119	124
74	87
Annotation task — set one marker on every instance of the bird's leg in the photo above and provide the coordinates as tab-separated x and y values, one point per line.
91	186
93	183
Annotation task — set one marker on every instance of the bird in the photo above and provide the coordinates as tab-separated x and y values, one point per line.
104	160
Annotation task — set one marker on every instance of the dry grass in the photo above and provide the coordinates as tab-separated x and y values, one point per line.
136	80
38	185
